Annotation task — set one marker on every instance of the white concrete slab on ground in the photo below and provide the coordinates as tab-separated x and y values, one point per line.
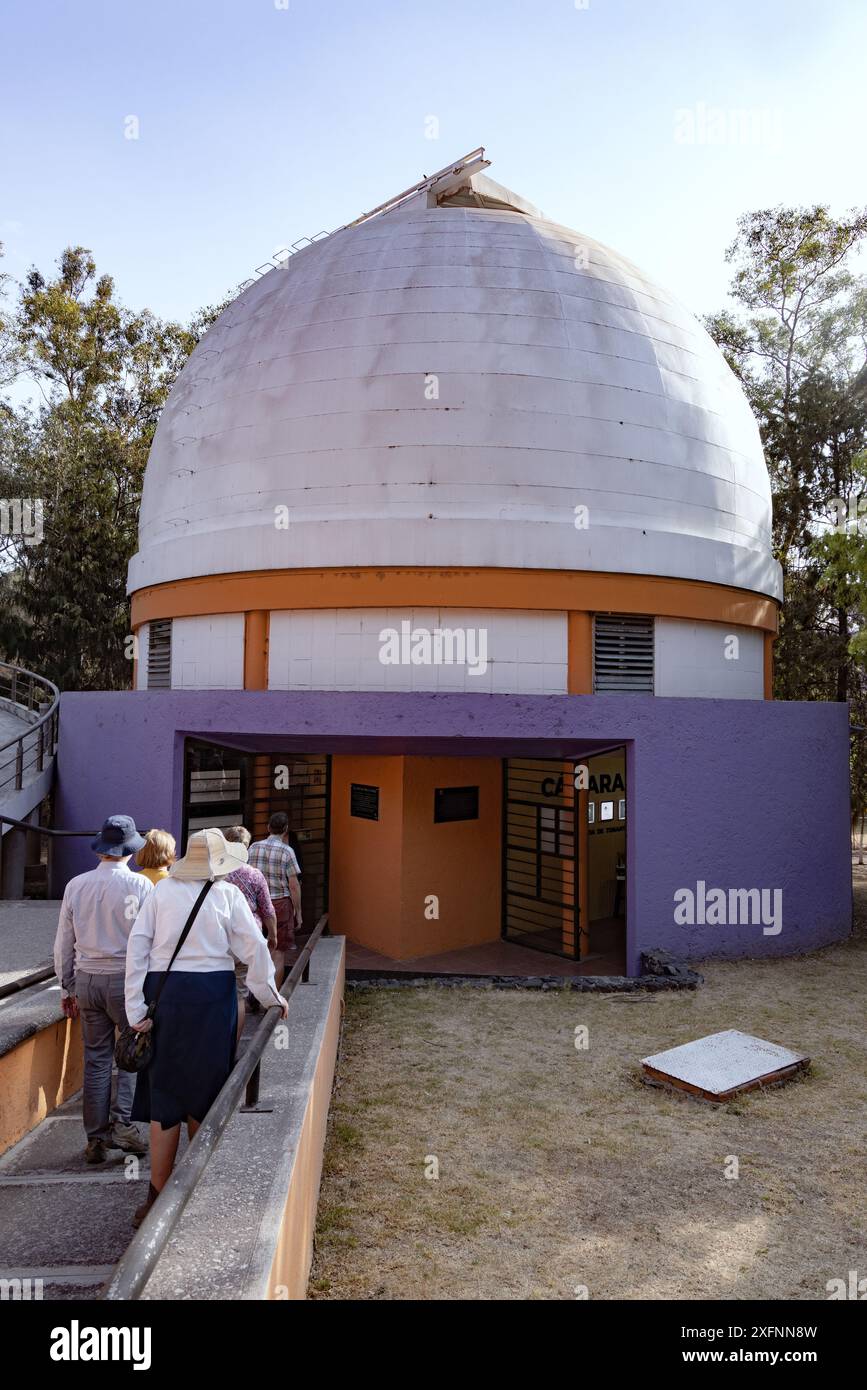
723	1063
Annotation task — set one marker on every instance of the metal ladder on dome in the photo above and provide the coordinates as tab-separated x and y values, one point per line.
454	174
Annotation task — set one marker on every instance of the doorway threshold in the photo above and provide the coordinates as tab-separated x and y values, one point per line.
504	965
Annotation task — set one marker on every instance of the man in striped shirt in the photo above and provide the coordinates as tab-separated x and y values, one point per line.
275	858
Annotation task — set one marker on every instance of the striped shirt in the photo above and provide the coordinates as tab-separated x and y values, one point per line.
277	862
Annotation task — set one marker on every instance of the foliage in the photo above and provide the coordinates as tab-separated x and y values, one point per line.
103	373
796	340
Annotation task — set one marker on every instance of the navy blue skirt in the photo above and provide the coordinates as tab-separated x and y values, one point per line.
193	1048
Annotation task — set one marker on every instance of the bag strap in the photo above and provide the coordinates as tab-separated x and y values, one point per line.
181	939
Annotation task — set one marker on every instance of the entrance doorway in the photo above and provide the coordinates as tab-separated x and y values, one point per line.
605	872
226	786
540	901
300	785
564	857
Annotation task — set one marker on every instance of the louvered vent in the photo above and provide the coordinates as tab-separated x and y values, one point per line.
622	655
160	655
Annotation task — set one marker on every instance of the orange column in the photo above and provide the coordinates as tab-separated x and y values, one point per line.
580	670
256	649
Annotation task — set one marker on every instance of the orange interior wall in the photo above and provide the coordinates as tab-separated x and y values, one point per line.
460	862
382	872
366	855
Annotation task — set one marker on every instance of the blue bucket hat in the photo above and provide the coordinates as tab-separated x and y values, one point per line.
118	837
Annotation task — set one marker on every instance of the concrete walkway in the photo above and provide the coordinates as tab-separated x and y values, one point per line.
62	1220
11	726
27	930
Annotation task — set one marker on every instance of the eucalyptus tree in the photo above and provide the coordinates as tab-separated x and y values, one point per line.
102	373
797	338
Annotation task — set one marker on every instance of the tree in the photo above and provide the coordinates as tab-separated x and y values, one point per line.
9	349
104	373
797	341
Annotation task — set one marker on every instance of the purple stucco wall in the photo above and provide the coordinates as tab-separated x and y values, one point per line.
736	793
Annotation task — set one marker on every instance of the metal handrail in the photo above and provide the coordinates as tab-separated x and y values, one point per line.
38	738
35	977
43	829
137	1264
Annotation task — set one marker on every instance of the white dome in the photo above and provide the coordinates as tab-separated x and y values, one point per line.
565	378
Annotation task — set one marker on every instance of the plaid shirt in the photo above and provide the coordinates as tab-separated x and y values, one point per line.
276	860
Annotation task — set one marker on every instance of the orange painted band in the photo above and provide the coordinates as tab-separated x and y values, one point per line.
574	591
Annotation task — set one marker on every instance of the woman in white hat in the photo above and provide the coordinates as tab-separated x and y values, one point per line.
195	1021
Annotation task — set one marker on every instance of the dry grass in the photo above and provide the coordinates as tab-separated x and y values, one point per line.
559	1168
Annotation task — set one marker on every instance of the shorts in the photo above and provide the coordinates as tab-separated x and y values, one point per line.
241	989
285	911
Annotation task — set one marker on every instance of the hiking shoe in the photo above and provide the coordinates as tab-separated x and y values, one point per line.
95	1151
141	1212
127	1137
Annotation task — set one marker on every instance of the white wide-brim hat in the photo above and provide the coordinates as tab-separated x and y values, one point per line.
209	855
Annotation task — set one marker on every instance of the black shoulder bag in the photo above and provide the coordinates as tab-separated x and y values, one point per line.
133	1049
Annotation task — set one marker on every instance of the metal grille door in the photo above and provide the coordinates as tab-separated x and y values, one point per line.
540	906
297	783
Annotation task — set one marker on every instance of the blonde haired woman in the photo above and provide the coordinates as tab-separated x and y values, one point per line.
195	1019
157	855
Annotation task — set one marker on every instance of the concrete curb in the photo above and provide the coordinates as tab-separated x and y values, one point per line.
235	1227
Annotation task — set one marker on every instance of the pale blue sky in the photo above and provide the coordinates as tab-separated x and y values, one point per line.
261	124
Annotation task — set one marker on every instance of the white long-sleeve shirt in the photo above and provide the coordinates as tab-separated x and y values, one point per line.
96	917
224	928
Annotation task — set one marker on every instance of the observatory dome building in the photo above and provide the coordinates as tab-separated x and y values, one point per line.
458	384
455	543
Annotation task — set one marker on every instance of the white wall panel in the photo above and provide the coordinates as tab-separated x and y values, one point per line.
141	682
338	649
690	660
208	653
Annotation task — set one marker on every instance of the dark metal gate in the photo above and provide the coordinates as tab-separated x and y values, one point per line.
540	874
225	786
299	784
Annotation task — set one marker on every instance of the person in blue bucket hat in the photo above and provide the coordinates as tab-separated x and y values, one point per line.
96	917
118	838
